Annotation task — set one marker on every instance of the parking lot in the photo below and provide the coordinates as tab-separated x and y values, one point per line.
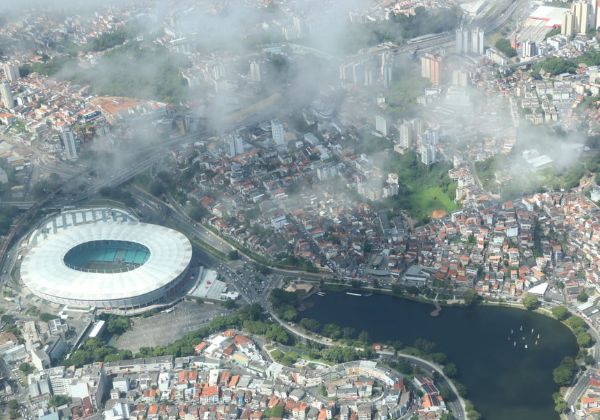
164	328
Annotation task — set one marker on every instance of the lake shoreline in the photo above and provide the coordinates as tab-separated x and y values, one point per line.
384	320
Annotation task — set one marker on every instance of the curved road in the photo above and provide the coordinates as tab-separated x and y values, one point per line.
457	406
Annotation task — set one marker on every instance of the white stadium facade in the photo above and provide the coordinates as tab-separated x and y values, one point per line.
104	258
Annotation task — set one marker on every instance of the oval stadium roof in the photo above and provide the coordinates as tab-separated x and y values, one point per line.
44	271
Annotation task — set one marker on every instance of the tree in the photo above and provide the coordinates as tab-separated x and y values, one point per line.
584	339
560	405
348	333
503	45
58	400
565	372
582	296
197	212
439	358
13	409
233	255
310	324
423	345
117	325
450	370
332	331
156	188
576	323
447	415
363	337
560	312
471	297
26	368
530	302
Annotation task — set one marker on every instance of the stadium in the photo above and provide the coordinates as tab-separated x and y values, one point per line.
104	258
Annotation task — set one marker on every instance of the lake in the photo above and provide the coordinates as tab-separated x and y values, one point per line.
504	380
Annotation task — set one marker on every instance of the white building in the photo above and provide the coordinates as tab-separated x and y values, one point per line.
105	263
381	125
278	132
236	145
255	75
427	154
7	97
406	135
529	49
11	72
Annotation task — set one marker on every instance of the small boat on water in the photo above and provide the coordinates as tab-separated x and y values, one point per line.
320	293
353	294
538	336
525	345
521	329
532	331
511	332
508	338
536	342
515	344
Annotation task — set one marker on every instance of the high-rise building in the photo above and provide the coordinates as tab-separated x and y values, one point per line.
425	66
386	69
460	78
381	125
436	64
277	132
568	25
70	148
11	72
236	145
369	79
431	68
430	137
597	14
528	49
6	94
583	13
477	39
255	71
459	41
406	135
427	154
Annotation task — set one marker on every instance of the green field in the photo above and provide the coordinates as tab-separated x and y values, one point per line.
425	201
422	189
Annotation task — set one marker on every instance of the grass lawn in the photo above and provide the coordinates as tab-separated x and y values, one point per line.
425	201
423	190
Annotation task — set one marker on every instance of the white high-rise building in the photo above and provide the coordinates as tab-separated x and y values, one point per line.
427	154
255	75
381	125
568	25
470	41
68	140
277	132
406	135
478	41
386	69
529	49
430	137
11	72
459	41
584	16
7	97
236	145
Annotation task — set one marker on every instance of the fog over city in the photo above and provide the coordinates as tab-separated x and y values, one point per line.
257	209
